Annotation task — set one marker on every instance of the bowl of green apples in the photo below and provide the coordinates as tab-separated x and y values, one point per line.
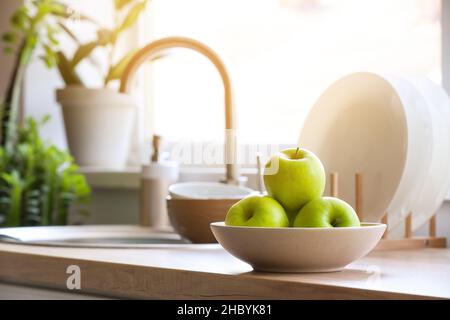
294	228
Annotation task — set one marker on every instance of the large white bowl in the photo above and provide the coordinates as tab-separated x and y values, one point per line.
437	181
376	125
298	249
208	191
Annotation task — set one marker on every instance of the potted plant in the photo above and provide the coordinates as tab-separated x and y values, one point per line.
38	182
99	121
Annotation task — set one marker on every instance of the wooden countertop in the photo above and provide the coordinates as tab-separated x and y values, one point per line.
207	271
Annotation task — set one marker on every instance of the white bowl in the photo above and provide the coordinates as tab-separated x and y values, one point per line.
298	249
378	126
207	191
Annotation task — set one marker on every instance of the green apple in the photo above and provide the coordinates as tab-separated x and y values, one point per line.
294	177
257	211
326	212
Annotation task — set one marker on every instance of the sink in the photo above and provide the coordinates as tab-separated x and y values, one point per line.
120	236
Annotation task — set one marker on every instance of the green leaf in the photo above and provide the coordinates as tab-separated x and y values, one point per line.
61	10
44	8
65	12
69	32
105	36
116	71
119	4
132	15
51	35
58	8
66	71
48	61
30	44
25	55
20	19
45	119
50	58
83	51
9	37
14	181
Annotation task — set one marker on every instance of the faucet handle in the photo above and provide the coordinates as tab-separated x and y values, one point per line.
156	144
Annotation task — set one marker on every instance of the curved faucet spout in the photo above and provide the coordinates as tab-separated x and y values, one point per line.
156	47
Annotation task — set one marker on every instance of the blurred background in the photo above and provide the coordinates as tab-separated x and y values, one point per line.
281	55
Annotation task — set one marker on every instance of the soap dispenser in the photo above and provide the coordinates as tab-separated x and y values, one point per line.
155	180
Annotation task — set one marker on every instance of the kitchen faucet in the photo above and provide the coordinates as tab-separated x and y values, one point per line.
154	48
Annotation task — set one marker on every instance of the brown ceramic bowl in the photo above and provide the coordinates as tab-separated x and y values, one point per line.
192	218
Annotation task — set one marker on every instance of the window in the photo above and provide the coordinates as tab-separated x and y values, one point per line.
281	55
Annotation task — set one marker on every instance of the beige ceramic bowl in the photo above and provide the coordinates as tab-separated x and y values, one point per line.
191	218
298	249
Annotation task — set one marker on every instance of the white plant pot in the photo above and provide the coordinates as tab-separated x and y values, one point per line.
98	125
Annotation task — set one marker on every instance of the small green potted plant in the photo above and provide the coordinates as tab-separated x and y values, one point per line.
99	121
38	182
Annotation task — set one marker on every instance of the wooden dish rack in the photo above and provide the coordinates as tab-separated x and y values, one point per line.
409	241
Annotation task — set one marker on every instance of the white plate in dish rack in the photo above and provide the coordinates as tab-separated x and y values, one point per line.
376	125
437	181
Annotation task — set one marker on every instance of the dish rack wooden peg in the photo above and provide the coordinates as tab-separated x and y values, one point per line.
409	241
